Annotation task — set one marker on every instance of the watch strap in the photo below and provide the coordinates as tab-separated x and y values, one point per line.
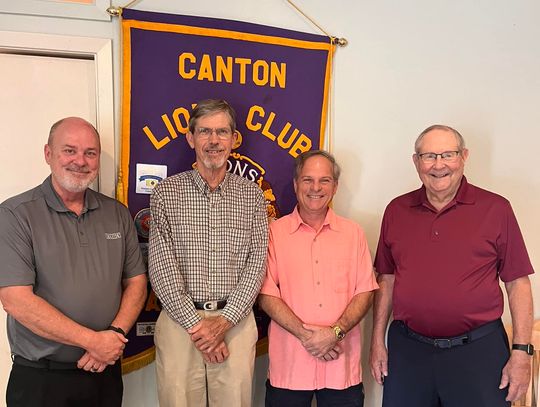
528	348
116	329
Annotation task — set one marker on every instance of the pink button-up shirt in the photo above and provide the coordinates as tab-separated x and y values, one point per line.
316	273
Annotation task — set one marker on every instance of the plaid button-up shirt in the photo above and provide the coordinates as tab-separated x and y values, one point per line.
207	245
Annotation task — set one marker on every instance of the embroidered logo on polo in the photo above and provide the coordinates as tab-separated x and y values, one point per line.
113	236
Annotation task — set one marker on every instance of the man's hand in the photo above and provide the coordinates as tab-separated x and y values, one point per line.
322	340
333	354
516	373
378	361
106	346
208	333
88	363
219	355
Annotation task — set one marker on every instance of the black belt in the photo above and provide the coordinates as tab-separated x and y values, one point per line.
210	305
446	343
44	364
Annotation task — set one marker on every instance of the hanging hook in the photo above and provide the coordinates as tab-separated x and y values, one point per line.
341	42
115	11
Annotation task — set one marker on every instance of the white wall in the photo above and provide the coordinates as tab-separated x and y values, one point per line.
472	65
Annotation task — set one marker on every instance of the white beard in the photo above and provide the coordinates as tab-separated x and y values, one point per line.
74	184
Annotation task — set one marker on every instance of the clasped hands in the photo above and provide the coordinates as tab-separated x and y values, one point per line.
321	342
104	348
208	336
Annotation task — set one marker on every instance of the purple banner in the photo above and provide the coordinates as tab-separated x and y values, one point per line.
276	79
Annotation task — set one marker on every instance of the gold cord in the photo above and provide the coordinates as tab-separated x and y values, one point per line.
334	40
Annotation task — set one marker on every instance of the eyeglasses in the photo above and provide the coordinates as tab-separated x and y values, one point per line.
447	156
205	132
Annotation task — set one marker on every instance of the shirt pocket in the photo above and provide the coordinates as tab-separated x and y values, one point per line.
341	270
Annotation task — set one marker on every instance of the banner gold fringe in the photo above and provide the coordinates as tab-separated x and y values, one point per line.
138	361
120	188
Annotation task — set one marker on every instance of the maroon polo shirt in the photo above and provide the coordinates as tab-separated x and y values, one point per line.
447	264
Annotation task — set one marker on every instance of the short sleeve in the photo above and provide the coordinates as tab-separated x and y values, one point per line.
384	261
15	251
270	284
513	259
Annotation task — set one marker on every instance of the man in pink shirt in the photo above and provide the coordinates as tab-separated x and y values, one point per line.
318	286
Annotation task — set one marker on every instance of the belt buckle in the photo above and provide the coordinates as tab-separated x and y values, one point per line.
210	305
442	343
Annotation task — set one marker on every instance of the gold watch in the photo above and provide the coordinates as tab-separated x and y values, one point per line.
340	333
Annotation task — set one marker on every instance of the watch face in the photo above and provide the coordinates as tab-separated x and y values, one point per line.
339	333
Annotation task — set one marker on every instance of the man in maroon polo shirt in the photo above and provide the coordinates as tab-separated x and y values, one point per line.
441	252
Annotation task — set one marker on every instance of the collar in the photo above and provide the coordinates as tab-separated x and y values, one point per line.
296	220
464	195
202	185
55	202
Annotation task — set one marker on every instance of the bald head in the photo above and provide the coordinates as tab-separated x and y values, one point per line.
69	122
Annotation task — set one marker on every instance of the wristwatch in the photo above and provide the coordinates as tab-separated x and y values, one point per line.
116	329
529	348
340	333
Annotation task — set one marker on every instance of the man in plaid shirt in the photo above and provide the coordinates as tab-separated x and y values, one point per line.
208	242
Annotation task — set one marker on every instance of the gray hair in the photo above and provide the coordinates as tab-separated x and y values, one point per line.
300	161
459	138
211	106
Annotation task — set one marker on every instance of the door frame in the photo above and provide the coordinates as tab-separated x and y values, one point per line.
98	49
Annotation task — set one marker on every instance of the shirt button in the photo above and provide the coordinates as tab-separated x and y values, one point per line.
316	261
318	283
436	233
320	305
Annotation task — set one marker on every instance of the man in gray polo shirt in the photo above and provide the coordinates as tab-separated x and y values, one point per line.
72	279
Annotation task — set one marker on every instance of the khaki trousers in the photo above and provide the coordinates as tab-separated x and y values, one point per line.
185	380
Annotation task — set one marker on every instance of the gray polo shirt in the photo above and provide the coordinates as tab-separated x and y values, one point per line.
76	263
